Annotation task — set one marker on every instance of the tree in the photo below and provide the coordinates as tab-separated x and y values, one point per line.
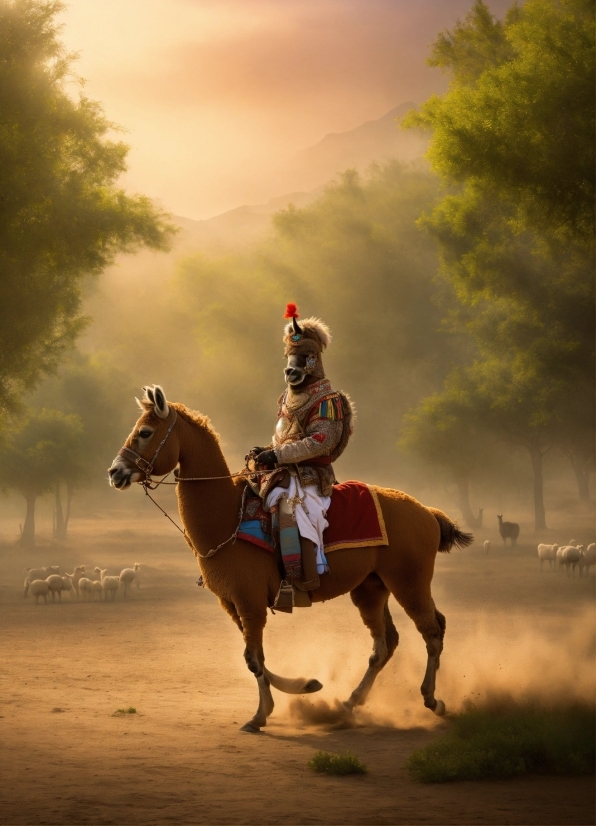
514	140
41	451
62	216
354	257
445	430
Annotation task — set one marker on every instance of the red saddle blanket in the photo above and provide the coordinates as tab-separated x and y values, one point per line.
354	516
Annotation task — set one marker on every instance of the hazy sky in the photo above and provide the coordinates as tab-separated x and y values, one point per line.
216	93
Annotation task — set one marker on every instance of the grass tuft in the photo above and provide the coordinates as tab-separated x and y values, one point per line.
506	739
342	763
129	710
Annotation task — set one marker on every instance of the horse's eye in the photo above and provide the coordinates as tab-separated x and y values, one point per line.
144	434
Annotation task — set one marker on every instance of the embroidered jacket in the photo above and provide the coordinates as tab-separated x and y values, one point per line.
312	430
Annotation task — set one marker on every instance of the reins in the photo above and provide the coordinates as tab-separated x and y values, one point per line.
148	484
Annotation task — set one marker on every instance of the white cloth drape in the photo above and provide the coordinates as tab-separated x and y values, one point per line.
310	514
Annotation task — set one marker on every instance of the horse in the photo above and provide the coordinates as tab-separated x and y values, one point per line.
246	578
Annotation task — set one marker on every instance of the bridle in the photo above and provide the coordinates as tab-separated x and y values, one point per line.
143	465
146	467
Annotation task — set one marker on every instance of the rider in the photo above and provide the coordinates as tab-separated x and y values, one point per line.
314	424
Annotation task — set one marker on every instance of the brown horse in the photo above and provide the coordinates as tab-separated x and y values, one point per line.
246	579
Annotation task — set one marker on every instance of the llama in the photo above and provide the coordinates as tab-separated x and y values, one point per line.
508	530
246	578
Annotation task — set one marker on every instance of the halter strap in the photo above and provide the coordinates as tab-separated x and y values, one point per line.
142	464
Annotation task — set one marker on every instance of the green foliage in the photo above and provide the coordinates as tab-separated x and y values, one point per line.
341	763
62	215
44	447
353	257
506	740
91	388
514	138
129	710
523	130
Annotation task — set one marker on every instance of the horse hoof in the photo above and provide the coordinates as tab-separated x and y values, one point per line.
348	706
252	729
311	686
440	708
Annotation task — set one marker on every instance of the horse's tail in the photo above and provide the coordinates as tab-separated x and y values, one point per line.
450	533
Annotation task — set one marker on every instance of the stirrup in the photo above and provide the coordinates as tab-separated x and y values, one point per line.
284	601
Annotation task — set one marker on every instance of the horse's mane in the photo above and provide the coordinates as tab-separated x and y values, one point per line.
196	418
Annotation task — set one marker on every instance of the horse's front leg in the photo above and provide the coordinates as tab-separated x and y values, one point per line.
252	629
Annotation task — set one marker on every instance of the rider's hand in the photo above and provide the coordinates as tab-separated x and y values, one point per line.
256	450
267	458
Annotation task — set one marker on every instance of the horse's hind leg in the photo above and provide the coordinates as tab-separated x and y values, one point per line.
431	624
252	630
370	597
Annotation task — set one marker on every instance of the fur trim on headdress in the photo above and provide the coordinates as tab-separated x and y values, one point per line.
313	329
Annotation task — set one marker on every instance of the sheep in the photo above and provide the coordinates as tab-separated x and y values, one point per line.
86	587
41	573
547	552
67	584
127	576
588	558
571	556
508	530
108	583
97	588
56	586
486	546
76	576
137	568
39	588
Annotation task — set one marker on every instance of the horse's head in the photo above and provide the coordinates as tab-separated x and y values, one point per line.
152	447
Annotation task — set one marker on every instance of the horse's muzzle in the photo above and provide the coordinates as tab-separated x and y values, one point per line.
121	476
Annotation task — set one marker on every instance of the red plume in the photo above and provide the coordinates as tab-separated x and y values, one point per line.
291	311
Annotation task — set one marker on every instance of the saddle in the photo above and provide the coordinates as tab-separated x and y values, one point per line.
277	531
355	521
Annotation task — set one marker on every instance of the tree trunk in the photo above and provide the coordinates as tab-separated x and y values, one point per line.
28	533
582	474
463	489
60	526
539	512
69	495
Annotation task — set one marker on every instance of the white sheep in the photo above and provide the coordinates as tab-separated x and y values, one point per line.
127	576
547	552
108	583
41	573
56	586
588	559
571	557
559	555
39	588
486	546
137	567
86	588
76	576
97	589
67	584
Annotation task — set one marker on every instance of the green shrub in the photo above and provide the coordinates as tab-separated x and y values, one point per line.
129	710
343	763
505	739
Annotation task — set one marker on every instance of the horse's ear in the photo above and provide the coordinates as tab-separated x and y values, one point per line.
161	405
149	395
143	404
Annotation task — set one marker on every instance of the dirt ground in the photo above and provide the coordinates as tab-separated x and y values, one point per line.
170	652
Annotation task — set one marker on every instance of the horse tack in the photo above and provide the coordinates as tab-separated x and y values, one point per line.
147	468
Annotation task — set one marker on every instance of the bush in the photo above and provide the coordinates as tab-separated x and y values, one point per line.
343	763
506	739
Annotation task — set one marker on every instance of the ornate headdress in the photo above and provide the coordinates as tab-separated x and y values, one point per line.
308	338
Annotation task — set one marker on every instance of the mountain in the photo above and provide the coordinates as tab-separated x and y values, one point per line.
374	140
